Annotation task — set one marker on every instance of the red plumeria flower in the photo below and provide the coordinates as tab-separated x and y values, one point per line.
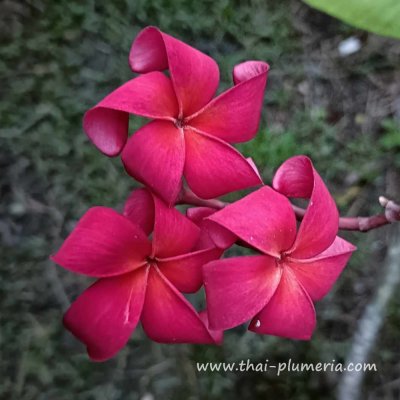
190	131
139	279
221	237
276	289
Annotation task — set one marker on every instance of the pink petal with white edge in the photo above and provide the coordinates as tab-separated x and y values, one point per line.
253	164
220	236
290	312
139	208
238	288
174	234
297	177
185	272
168	317
106	314
195	76
234	115
150	95
317	275
155	156
264	219
104	243
214	168
248	70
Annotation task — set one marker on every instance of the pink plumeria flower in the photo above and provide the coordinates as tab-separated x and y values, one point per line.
220	237
191	131
139	279
276	290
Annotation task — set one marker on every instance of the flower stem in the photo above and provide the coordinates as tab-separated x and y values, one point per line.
359	223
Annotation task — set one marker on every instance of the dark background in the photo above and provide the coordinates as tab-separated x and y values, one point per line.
59	58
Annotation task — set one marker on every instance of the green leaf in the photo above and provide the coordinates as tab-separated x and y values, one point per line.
378	16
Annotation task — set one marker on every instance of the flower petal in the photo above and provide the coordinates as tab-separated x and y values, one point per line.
317	275
234	115
238	288
155	156
105	315
104	243
220	237
297	177
174	234
218	335
194	75
197	214
185	272
253	164
168	317
214	168
290	312
264	219
139	208
150	95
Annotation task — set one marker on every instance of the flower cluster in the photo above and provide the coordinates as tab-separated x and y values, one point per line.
147	257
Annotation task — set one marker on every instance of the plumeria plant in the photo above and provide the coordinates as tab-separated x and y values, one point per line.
147	257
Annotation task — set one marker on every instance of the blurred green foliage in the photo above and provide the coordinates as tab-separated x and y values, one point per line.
390	140
57	59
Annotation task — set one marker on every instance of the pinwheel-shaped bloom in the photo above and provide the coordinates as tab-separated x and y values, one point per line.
276	289
139	279
190	131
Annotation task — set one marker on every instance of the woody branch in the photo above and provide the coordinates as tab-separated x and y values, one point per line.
390	214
